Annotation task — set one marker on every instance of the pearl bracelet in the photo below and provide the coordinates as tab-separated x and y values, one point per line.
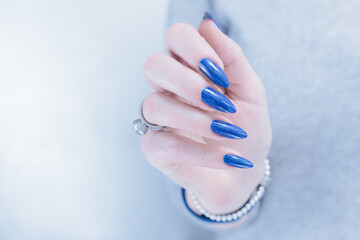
256	196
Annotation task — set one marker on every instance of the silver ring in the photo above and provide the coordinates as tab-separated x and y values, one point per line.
141	126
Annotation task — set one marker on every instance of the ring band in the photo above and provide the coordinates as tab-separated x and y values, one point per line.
141	125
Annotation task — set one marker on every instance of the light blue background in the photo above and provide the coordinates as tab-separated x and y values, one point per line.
70	86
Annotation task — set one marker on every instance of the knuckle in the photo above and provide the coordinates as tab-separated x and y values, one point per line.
237	53
168	167
190	83
151	62
238	50
192	78
174	147
176	30
204	156
155	155
145	144
149	106
262	90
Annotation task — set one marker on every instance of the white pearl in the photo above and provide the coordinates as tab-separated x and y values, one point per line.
243	211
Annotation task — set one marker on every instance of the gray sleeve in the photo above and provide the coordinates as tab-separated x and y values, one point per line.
187	11
191	12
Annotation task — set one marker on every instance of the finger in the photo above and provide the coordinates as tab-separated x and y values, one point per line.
244	82
184	42
164	73
163	149
161	109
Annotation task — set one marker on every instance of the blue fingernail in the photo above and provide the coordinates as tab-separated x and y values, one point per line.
209	15
217	100
237	161
227	130
214	72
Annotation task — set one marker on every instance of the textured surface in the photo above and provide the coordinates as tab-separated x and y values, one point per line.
308	56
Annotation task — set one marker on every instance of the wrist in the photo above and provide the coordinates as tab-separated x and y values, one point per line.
229	197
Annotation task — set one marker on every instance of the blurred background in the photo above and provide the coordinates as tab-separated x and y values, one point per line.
70	86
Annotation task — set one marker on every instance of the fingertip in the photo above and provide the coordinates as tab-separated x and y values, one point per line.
210	16
237	161
214	72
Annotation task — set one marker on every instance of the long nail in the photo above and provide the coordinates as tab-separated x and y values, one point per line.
237	161
227	130
209	15
217	100
214	72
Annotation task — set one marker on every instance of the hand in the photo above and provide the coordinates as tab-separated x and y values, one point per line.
187	150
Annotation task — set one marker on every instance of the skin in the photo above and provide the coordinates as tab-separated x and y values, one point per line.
187	151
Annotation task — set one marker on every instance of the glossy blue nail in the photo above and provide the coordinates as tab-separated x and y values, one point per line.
227	130
214	72
237	161
217	100
209	15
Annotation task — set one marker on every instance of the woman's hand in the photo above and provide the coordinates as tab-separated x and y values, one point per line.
187	150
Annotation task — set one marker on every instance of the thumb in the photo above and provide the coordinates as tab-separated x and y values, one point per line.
244	82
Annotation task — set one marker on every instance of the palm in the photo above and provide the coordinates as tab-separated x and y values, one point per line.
253	118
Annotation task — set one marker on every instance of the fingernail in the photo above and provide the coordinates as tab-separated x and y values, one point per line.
237	161
209	15
213	72
227	130
217	100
